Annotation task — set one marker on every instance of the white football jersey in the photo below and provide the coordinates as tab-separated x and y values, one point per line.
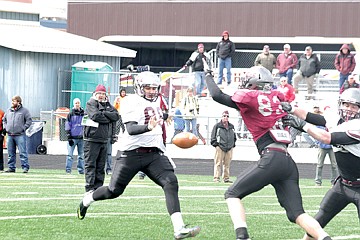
137	109
352	128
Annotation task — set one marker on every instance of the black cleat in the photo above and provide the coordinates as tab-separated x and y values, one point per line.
81	211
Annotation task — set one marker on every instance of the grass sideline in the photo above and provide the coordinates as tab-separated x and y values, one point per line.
42	205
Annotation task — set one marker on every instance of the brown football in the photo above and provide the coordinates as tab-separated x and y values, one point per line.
185	140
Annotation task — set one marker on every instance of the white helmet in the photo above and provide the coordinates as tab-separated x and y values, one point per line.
258	78
147	79
350	95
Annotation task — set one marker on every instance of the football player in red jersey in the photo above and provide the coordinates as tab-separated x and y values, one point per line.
143	150
261	110
344	134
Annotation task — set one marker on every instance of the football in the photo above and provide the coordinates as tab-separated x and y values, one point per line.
185	140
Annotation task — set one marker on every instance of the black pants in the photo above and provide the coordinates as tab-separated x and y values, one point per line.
335	200
1	153
95	155
155	165
279	170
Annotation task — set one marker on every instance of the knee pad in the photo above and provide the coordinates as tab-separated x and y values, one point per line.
170	183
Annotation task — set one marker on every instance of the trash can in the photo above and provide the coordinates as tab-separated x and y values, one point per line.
34	138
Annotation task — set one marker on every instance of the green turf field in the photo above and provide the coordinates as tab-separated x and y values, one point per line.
42	205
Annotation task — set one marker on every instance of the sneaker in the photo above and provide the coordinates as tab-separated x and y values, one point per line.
227	181
81	211
216	180
141	177
26	171
108	172
318	184
81	173
187	232
10	170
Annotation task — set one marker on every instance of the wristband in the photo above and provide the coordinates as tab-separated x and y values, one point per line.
306	127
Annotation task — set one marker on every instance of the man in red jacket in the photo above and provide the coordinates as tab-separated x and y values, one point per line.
344	63
286	62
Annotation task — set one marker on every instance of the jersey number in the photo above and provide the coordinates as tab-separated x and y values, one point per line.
266	105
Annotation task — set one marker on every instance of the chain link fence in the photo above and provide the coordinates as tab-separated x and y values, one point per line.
246	58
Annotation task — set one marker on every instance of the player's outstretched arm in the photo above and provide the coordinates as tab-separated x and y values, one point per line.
215	91
303	114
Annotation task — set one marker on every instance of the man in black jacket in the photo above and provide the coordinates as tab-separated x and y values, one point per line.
98	123
223	138
225	49
308	67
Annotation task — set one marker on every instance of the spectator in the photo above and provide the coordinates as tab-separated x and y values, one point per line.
286	62
309	139
191	109
266	59
223	138
179	123
350	83
117	103
100	114
308	67
2	135
325	149
286	89
16	120
225	49
74	131
113	137
344	63
195	61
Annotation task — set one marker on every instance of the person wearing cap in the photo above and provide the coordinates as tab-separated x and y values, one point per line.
308	68
225	49
223	138
350	82
286	62
286	89
266	59
345	63
99	126
74	132
195	61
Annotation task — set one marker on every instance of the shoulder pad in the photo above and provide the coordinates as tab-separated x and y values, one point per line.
239	95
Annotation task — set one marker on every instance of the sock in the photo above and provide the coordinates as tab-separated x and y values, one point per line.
241	233
88	199
177	221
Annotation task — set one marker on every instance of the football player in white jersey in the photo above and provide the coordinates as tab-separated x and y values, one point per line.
345	137
143	150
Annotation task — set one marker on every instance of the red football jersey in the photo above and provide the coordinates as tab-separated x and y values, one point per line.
259	110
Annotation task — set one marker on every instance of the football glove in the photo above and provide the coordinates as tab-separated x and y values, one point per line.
293	121
286	107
